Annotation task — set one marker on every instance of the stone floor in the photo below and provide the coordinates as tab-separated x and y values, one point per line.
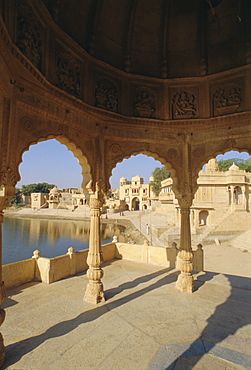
145	322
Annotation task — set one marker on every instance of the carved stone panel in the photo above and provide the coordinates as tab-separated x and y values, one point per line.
226	99
29	34
184	105
68	72
172	153
106	94
27	124
144	102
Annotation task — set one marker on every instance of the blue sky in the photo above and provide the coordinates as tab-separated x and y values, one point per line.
51	162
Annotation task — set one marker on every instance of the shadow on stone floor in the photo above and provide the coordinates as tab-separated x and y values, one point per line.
16	351
227	318
8	302
110	293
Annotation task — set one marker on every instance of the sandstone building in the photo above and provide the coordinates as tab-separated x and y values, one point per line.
59	199
135	195
218	192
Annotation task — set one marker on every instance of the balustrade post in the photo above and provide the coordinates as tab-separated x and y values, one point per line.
2	294
185	282
95	291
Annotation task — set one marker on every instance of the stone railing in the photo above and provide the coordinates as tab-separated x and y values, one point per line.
19	272
49	270
157	255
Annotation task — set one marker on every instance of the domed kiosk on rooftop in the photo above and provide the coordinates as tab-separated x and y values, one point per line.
54	198
234	168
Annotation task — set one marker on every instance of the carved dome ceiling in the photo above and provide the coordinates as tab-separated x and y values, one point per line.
158	38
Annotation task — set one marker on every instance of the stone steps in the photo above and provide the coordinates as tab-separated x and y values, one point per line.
219	217
231	227
243	241
236	221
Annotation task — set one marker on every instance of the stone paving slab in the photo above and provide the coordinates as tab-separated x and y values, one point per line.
145	322
188	355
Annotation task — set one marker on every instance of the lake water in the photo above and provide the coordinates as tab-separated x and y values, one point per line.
21	236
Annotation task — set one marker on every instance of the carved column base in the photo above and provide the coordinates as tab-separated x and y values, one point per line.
94	292
185	282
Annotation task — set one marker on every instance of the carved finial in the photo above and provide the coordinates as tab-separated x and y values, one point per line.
36	254
71	250
146	242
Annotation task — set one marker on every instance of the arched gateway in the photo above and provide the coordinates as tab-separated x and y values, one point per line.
109	96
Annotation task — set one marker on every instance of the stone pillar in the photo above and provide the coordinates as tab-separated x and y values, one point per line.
232	198
185	282
2	294
244	198
95	291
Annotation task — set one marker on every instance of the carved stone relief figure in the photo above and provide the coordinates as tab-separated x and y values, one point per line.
106	94
144	102
226	100
183	105
68	73
29	35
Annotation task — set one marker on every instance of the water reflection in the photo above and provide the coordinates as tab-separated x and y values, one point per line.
21	236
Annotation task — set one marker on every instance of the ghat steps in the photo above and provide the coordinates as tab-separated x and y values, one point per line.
243	241
227	226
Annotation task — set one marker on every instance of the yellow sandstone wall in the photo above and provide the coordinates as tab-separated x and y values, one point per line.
49	270
18	272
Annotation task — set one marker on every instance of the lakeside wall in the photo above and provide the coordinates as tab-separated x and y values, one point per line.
49	270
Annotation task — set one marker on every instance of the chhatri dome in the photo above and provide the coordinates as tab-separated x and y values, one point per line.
54	190
122	180
212	165
234	167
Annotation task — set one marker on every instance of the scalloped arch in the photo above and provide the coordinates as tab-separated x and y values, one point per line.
154	155
77	152
214	155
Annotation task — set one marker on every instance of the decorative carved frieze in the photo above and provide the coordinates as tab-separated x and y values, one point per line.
96	203
184	105
68	72
198	152
144	102
172	153
226	99
115	148
230	143
5	132
89	146
29	34
106	94
7	177
27	124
